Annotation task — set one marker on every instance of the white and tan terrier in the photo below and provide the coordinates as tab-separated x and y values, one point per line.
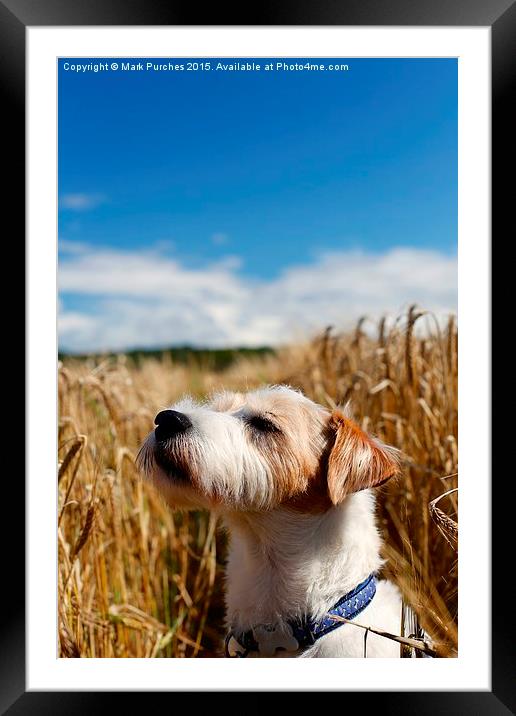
291	481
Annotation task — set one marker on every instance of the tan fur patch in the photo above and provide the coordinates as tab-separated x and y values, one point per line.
314	499
226	401
293	454
357	461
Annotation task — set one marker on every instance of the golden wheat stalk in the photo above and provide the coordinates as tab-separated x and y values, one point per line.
418	644
447	526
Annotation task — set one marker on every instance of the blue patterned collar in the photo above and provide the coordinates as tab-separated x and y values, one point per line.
295	634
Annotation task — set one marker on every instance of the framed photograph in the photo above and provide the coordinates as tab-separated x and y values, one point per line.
258	292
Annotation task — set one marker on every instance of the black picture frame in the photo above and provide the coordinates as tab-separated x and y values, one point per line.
15	17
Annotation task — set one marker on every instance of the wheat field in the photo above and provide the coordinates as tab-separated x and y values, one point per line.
136	580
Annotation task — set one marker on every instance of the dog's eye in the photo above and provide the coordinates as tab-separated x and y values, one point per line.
264	425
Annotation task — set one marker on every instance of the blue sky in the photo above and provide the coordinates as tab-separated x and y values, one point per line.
220	187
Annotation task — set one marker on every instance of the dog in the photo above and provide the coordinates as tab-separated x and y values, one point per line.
293	483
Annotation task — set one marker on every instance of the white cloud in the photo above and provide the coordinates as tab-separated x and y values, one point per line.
219	239
80	201
70	323
148	299
72	247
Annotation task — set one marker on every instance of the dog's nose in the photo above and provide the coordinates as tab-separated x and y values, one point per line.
170	423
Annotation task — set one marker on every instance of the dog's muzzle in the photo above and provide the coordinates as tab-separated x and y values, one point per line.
170	423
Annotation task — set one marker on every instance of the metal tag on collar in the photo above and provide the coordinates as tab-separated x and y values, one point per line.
233	648
274	637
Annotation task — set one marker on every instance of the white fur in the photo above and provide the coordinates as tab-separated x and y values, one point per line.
283	562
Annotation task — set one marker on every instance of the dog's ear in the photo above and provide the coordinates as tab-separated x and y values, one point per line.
357	460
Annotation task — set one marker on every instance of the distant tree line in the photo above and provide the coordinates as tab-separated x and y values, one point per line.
205	358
